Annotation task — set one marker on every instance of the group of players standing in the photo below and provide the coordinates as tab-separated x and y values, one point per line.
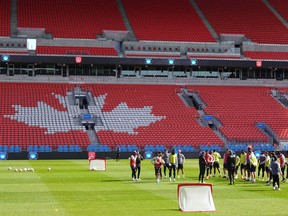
248	162
209	162
170	161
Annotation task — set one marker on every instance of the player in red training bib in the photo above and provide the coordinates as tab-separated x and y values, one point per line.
158	162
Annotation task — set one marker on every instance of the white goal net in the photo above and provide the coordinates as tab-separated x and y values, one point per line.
195	197
97	164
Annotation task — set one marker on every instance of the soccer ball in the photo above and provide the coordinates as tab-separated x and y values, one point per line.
49	169
20	170
9	168
25	169
16	170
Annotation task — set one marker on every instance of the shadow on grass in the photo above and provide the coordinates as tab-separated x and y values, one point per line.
169	210
113	180
125	180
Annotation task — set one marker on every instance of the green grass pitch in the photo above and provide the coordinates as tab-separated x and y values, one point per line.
70	189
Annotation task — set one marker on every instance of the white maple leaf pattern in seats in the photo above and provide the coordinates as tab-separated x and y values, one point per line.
121	119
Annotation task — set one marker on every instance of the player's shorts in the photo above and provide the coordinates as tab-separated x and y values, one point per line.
224	165
267	169
242	166
157	170
261	166
180	166
216	165
248	165
252	168
168	165
236	168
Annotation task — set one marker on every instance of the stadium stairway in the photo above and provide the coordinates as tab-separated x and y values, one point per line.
126	20
205	21
275	12
13	17
193	99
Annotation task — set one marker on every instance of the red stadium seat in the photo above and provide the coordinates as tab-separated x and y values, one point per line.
5	18
76	19
251	18
166	20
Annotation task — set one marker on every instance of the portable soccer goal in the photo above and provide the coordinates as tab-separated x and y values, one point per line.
195	197
97	164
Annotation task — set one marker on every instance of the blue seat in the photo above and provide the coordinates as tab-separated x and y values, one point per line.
203	147
35	148
123	148
135	148
47	148
12	148
30	148
152	148
192	149
90	147
147	148
101	148
106	148
42	148
5	148
60	148
77	148
272	148
65	148
71	148
130	148
17	148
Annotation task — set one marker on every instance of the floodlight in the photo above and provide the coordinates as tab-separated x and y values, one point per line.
193	62
148	61
5	58
3	156
32	156
171	61
148	154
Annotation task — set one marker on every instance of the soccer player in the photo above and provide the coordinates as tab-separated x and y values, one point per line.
224	163
202	166
210	161
230	164
282	160
180	163
276	172
253	165
267	165
139	158
237	164
117	153
158	161
173	161
133	165
248	163
216	165
272	154
242	165
261	167
167	164
287	167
